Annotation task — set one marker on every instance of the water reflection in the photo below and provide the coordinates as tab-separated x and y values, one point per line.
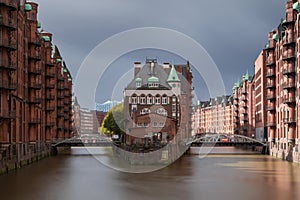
80	176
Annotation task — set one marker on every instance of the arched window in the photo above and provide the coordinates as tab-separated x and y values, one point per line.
134	99
143	99
157	99
164	99
149	99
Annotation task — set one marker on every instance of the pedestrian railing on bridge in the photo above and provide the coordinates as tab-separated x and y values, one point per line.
224	140
87	140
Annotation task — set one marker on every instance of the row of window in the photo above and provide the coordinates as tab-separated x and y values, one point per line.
151	100
155	124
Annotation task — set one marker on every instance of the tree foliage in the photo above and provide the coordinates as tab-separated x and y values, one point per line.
113	122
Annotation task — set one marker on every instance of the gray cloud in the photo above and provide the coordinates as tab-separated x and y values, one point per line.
232	31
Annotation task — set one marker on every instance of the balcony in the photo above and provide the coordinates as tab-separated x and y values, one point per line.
34	121
288	100
8	23
244	98
270	62
13	4
245	119
289	41
49	109
49	97
289	16
270	85
50	74
35	86
60	78
60	114
288	56
35	100
5	64
271	124
288	86
34	56
49	124
288	71
50	86
35	70
35	41
49	63
8	85
271	108
60	128
5	43
270	74
244	91
6	114
289	120
271	97
60	105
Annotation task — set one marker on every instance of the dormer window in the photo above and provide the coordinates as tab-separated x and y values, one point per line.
153	82
138	82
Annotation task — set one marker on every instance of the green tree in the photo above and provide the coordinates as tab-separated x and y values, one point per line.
113	122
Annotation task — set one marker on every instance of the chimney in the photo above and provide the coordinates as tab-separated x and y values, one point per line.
137	68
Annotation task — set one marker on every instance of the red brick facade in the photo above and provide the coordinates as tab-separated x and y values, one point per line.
35	86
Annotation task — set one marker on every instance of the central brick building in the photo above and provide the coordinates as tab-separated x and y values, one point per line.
157	103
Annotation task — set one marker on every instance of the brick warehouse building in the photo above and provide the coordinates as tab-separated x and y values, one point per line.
267	105
283	85
214	116
157	103
35	87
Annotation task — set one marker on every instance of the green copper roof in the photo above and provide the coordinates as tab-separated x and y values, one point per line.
267	46
284	21
234	87
39	25
65	70
247	77
275	37
138	80
46	38
296	6
28	7
153	79
173	77
58	60
238	84
69	79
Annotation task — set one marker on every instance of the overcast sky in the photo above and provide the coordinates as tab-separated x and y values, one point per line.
233	32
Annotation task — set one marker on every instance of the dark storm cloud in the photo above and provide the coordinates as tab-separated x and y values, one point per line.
233	31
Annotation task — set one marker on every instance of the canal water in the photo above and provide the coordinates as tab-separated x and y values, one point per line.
78	176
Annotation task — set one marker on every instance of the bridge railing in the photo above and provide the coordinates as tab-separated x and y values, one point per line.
214	138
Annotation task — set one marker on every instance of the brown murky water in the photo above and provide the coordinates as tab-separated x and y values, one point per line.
227	177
